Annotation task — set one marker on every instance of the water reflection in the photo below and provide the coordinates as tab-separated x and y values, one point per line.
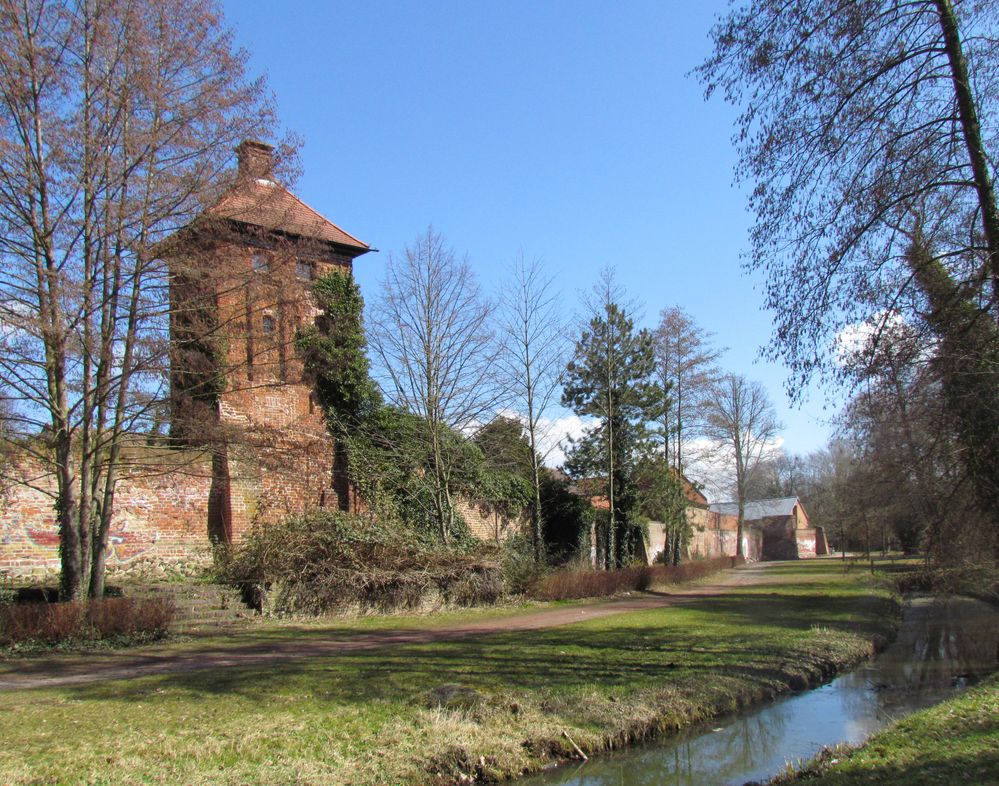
943	644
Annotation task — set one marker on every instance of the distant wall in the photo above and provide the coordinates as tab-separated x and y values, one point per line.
821	544
487	523
791	537
712	535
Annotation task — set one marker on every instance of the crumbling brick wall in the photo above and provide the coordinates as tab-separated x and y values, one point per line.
164	505
161	509
487	523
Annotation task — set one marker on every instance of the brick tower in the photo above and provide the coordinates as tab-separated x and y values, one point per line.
240	287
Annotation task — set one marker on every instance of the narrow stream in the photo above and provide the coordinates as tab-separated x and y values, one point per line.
944	644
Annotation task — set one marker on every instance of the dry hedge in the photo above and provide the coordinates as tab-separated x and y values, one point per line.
325	562
571	584
108	618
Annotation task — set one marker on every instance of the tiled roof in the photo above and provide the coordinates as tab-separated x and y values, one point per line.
758	509
266	204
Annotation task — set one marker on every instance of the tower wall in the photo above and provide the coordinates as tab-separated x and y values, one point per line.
248	442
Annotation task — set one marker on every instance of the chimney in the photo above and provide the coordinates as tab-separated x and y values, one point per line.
256	160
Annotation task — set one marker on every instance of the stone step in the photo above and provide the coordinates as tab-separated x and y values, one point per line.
197	605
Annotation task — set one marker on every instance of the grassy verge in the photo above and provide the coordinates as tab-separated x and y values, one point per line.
286	630
265	630
381	716
955	742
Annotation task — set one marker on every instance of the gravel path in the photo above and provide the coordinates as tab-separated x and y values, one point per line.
54	671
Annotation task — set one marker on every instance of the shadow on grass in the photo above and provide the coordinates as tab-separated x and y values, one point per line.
930	768
749	636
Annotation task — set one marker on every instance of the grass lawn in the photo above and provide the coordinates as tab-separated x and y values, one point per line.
955	742
365	717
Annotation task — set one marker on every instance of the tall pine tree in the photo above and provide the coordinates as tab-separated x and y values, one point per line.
610	378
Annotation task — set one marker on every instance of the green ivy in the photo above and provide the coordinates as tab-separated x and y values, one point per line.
333	351
661	498
383	448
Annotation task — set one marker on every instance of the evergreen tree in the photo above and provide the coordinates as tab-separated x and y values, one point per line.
609	378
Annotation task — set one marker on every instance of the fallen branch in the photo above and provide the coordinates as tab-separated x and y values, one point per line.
575	747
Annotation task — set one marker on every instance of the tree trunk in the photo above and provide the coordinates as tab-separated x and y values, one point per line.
536	517
99	557
968	362
71	556
612	545
972	131
740	488
739	551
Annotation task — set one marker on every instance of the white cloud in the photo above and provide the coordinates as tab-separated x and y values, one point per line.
553	434
855	340
712	464
16	320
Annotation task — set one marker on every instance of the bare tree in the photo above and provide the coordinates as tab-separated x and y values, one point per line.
781	475
740	416
856	117
685	366
534	349
910	447
432	333
116	121
869	133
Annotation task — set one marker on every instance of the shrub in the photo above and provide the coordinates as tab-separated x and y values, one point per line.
95	620
328	561
43	622
521	568
130	617
478	588
980	581
588	583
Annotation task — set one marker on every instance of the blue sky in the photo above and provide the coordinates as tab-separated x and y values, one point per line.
566	130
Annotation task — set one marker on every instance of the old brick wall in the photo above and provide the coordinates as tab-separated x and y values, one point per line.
281	459
712	535
486	523
163	505
161	513
790	537
821	544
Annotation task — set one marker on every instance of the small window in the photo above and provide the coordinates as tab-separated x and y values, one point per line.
269	324
261	263
303	270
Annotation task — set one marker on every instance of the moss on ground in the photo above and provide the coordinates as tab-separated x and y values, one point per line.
367	716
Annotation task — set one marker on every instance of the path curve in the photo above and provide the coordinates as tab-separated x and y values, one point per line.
55	672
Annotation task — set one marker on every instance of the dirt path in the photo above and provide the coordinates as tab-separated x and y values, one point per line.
53	672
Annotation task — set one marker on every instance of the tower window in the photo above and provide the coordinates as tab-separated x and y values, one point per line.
268	324
260	263
303	270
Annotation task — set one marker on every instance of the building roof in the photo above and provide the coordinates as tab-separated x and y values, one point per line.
757	509
264	203
693	494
